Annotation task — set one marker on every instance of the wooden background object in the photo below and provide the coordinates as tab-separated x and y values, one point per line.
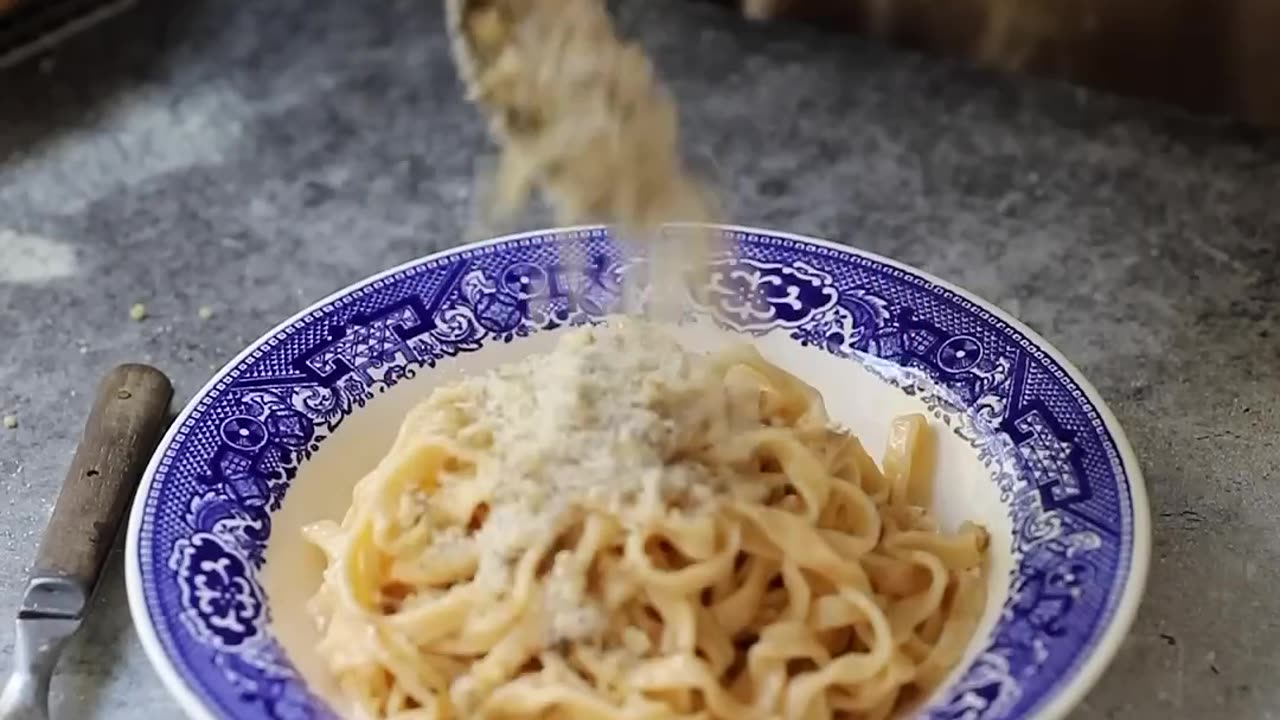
1213	55
123	429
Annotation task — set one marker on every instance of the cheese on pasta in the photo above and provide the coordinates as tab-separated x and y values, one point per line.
622	529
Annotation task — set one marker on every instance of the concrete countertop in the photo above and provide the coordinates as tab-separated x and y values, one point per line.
248	158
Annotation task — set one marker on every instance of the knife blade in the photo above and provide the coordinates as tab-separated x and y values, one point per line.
122	431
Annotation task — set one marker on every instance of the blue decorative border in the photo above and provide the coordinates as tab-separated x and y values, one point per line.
206	518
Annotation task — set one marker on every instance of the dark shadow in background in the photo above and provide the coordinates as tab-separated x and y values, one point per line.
59	90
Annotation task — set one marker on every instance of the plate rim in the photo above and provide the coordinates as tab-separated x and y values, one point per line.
1086	673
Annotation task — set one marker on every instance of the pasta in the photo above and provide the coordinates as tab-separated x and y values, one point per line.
625	530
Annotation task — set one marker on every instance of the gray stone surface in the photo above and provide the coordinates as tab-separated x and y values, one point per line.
253	156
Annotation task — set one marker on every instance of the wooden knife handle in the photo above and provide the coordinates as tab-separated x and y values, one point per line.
123	429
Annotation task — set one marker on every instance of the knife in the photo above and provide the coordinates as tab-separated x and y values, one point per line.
123	430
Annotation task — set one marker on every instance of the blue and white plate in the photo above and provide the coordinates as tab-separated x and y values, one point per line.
218	573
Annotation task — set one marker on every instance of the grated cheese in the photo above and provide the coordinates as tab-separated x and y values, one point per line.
601	420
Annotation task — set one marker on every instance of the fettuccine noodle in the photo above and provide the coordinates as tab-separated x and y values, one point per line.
624	530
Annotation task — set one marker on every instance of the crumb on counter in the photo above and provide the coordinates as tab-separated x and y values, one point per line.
138	312
205	312
10	422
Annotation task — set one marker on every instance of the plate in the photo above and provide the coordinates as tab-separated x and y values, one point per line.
218	573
